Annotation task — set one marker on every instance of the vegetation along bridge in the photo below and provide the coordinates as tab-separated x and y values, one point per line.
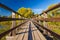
29	29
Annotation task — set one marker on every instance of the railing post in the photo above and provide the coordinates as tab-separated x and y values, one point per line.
44	15
22	20
13	33
19	17
39	22
19	23
45	24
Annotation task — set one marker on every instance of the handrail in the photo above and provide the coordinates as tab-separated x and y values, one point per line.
53	33
49	19
8	31
54	7
10	19
5	7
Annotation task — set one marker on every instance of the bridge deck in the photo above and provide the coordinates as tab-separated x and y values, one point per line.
29	32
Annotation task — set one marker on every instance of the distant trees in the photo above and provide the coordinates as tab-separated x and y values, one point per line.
51	6
55	12
26	12
54	26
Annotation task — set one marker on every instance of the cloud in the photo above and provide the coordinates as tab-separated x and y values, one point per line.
37	11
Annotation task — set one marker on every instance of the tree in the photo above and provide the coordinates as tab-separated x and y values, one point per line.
36	15
26	12
51	6
55	12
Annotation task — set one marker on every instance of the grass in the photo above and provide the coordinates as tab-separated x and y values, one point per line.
57	30
3	30
55	27
6	26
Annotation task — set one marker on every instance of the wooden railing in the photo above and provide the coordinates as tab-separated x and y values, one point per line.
12	30
48	20
50	31
13	19
52	8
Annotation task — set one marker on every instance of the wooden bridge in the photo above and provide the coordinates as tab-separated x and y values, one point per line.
29	29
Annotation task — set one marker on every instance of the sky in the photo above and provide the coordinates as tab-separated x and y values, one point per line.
37	6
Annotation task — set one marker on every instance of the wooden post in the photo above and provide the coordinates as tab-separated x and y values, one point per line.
45	24
22	20
19	22
44	15
13	33
19	17
39	22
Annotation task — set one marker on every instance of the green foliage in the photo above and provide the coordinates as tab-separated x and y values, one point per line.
5	26
26	12
56	14
36	15
51	6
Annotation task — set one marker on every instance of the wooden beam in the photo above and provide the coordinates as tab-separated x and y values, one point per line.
52	8
13	33
7	8
52	33
10	30
49	19
10	19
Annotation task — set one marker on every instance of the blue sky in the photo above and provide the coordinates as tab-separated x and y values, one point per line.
36	5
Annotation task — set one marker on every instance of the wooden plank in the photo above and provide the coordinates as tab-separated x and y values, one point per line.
35	33
17	37
20	36
52	33
24	35
38	34
41	36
